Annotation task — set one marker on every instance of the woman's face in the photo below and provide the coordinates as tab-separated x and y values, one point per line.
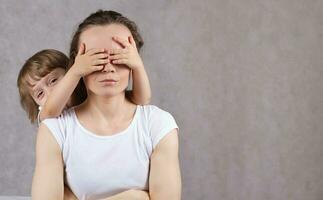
42	88
98	82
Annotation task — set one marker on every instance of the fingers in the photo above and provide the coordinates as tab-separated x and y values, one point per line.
81	49
96	62
122	42
120	61
118	56
100	55
95	67
95	51
118	51
99	68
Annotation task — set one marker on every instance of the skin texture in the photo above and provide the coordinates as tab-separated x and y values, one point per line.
106	111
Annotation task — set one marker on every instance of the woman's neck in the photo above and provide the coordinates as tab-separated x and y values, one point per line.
108	109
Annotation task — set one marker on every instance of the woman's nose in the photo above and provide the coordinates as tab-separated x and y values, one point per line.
108	68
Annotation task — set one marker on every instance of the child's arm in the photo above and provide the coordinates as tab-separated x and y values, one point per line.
85	63
128	55
140	93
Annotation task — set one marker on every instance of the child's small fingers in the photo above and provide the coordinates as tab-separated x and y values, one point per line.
95	51
119	61
118	56
100	61
100	55
121	41
99	67
117	51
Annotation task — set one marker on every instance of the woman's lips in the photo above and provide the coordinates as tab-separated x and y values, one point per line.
108	82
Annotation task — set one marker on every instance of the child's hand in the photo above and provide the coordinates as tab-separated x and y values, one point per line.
91	61
128	55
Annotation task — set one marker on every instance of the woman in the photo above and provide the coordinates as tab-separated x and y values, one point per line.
108	145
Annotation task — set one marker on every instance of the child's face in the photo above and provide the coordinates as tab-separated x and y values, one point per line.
42	88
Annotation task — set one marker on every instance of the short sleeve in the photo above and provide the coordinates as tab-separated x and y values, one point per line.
160	124
57	128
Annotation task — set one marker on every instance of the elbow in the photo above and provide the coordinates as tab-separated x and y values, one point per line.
144	101
168	197
162	194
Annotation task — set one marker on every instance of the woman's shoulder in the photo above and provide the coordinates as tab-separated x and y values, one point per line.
152	112
151	109
159	122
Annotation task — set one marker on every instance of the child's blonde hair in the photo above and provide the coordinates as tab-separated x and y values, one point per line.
36	67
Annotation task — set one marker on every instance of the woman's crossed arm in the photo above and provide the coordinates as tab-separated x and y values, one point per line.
48	182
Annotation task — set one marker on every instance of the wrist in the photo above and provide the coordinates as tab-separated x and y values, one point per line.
139	68
74	72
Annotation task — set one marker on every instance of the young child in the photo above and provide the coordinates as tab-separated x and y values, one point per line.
42	83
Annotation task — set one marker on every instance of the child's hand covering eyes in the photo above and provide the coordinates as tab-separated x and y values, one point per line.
90	61
128	55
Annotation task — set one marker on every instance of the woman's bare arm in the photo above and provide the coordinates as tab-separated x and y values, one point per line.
48	180
165	177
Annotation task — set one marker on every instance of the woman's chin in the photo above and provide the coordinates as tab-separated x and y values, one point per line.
108	94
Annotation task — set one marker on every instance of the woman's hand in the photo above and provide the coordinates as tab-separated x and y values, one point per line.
128	55
136	195
131	194
90	61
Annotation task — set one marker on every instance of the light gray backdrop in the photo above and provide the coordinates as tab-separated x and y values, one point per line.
242	78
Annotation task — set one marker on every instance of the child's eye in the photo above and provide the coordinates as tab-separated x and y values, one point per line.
39	94
53	81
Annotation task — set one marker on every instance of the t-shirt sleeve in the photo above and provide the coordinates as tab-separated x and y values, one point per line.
161	123
57	128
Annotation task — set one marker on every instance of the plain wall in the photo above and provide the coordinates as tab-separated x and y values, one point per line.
243	80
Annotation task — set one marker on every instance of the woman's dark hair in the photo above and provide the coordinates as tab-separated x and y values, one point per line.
99	18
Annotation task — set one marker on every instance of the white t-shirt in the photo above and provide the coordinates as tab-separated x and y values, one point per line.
100	166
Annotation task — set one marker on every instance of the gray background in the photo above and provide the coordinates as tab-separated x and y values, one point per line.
242	78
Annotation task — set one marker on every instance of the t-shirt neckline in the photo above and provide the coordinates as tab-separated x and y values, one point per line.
88	132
